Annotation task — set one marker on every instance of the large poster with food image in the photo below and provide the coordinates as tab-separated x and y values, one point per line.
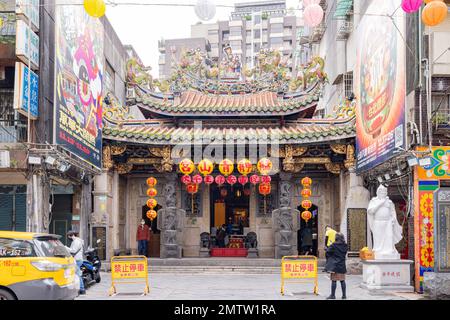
78	81
380	84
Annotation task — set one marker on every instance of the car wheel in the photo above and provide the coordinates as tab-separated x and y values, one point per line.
6	295
98	278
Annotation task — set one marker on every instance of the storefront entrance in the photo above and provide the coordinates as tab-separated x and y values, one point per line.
307	236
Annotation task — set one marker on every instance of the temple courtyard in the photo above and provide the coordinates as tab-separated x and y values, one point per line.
228	285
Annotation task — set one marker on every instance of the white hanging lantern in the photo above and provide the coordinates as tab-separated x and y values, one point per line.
205	9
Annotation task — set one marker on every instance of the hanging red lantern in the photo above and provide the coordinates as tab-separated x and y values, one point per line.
244	167
208	179
306	182
186	166
151	182
151	203
205	167
152	192
192	188
264	166
186	179
220	180
243	180
152	214
226	167
411	6
306	193
197	179
306	204
266	179
254	179
306	215
223	192
264	188
231	179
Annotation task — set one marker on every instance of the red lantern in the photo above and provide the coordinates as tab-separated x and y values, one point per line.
306	193
244	167
231	179
205	167
223	192
254	179
186	179
306	204
151	182
152	214
247	192
209	179
411	6
151	203
152	192
266	179
186	166
264	188
192	188
306	182
220	180
264	166
197	179
243	180
306	215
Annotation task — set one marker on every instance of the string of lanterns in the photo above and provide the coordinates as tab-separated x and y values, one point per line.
152	203
313	13
434	12
306	203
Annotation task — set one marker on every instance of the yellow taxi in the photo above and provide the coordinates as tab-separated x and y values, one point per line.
36	266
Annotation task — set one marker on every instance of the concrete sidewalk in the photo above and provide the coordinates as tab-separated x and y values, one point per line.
210	286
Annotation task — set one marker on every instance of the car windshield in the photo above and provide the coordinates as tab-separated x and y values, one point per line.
50	247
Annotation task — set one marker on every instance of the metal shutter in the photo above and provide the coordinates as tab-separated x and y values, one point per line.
21	212
6	211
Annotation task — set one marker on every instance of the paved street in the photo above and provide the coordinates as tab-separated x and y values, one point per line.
166	286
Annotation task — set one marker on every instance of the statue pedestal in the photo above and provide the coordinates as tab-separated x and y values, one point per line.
252	253
387	274
204	253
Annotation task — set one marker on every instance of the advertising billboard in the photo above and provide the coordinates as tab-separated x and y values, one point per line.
380	84
78	81
27	44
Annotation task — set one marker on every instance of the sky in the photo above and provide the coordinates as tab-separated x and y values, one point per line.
142	26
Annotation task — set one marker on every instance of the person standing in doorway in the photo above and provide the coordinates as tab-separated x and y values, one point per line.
330	236
142	237
336	255
76	249
306	236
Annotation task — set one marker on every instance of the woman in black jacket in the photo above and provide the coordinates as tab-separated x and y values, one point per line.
336	255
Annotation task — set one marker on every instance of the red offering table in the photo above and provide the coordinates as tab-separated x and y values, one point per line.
228	252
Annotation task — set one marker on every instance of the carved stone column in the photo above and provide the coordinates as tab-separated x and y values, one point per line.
171	221
285	220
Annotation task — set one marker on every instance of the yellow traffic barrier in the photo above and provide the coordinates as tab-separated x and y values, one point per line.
129	269
300	268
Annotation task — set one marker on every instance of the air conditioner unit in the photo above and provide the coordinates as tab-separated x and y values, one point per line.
4	159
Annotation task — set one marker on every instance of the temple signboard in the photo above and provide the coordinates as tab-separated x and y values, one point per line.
356	229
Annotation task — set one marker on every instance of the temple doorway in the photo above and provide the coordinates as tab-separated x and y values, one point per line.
230	207
307	236
153	248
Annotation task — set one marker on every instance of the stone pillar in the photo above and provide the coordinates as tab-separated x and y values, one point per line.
38	206
114	217
85	210
171	221
285	220
358	197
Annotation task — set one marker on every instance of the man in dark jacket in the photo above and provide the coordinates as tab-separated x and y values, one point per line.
221	233
336	255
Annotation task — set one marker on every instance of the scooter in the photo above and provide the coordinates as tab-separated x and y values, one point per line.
90	268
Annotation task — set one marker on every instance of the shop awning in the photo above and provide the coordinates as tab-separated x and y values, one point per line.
343	8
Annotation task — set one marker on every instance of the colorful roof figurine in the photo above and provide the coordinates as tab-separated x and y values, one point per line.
199	87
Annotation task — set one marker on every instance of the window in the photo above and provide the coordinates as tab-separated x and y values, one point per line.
11	248
235	31
257	34
109	78
257	19
212	32
348	84
50	247
276	41
276	28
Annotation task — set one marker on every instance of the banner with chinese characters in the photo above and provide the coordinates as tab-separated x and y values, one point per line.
380	84
293	269
426	183
23	90
78	78
27	44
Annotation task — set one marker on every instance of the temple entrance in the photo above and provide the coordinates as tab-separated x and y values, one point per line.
153	248
307	236
229	208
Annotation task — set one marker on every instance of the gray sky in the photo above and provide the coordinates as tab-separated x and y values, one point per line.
142	26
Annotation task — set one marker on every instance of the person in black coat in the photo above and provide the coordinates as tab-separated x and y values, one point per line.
336	255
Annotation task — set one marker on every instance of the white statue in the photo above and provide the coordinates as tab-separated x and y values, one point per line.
384	225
